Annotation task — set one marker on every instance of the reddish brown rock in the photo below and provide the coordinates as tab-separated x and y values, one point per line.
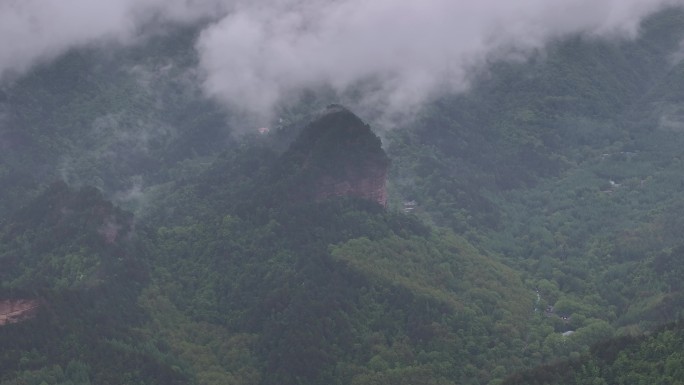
369	183
17	310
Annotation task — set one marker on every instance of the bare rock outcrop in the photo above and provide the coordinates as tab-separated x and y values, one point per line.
18	310
369	184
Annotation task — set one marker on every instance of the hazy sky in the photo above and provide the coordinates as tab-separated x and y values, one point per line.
255	53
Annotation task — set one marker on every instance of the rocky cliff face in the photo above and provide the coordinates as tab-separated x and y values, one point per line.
369	184
337	155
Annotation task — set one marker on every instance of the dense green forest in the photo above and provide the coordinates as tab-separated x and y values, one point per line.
649	359
531	235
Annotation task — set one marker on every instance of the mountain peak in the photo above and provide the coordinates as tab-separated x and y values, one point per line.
339	155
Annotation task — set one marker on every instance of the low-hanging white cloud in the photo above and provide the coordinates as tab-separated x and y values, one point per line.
35	31
260	54
256	54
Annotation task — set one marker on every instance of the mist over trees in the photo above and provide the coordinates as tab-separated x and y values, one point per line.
179	206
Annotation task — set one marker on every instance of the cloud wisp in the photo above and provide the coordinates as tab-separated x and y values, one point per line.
37	31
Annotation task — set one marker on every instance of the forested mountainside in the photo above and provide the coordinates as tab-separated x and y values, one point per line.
158	238
568	166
